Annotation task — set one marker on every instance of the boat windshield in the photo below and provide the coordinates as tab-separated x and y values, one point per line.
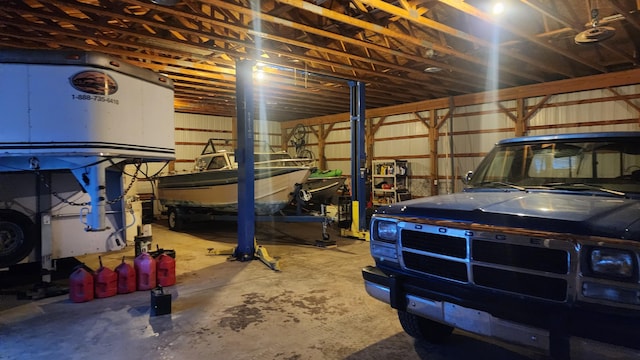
217	161
604	165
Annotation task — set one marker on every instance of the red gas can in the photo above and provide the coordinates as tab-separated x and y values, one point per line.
126	278
105	281
81	285
166	270
145	266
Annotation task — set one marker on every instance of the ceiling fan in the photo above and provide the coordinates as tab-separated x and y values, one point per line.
596	33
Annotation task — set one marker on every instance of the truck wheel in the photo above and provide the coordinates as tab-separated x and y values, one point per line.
424	329
175	222
17	237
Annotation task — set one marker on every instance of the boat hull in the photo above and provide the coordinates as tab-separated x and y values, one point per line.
324	190
218	190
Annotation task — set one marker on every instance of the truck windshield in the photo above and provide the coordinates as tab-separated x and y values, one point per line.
612	166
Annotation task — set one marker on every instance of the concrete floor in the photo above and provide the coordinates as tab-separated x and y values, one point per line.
314	308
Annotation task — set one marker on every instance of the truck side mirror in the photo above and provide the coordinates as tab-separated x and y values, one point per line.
467	178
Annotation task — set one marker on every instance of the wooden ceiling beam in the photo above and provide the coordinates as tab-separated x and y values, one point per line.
215	72
622	10
321	95
403	37
386	84
470	10
441	28
340	38
311	50
345	67
185	46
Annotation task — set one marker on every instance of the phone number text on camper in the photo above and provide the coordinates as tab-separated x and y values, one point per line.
98	98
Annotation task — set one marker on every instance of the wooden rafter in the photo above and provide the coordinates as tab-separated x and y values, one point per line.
311	47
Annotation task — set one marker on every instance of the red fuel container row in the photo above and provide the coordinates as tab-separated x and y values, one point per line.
155	271
146	273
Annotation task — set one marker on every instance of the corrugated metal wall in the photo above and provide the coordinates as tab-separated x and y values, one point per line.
338	148
589	111
475	129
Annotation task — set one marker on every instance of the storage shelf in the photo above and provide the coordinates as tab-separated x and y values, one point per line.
390	181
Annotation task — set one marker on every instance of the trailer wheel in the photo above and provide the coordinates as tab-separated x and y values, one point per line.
17	237
424	329
175	222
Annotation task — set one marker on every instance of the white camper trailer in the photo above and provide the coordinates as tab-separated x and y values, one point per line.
71	121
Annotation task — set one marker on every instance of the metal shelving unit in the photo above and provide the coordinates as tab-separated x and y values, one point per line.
390	181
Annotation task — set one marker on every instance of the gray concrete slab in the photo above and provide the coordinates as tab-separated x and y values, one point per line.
314	308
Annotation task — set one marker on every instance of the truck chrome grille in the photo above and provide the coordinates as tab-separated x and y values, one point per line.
435	243
525	257
521	283
515	264
440	267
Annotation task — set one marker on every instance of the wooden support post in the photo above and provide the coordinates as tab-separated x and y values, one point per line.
520	126
433	150
369	137
322	159
284	139
432	131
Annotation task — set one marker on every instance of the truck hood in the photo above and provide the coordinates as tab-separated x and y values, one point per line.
545	211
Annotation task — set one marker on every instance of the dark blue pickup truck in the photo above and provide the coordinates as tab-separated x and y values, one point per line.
542	249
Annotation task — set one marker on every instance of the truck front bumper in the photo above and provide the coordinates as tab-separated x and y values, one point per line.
389	289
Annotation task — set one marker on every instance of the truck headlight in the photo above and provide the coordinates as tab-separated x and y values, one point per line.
387	231
612	262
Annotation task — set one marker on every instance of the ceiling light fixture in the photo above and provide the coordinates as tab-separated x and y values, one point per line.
498	8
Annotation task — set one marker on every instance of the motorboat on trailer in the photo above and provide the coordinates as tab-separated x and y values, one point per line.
324	186
212	185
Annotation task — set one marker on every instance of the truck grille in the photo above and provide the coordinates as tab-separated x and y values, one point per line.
439	244
431	265
517	265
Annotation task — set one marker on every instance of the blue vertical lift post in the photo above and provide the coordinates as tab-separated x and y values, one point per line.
247	248
358	228
244	156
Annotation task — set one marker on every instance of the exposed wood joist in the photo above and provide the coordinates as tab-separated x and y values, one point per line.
406	52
